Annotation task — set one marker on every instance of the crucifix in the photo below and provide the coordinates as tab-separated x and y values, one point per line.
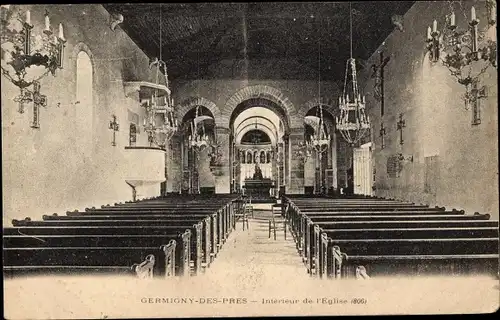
113	125
39	100
378	74
401	124
382	136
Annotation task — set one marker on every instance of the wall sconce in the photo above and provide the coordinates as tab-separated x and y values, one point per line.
113	125
49	54
462	48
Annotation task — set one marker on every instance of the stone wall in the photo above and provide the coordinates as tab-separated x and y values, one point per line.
455	163
69	162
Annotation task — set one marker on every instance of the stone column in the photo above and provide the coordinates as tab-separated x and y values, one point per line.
174	166
296	185
223	175
274	168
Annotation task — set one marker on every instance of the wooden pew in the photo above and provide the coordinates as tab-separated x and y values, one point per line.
225	216
319	243
183	247
198	255
104	241
418	265
403	247
202	252
145	262
413	217
220	223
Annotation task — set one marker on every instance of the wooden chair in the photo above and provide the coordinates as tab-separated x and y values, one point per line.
248	207
274	225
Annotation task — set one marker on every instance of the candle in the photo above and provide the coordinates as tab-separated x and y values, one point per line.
493	10
452	19
47	23
429	33
473	14
28	17
434	26
61	33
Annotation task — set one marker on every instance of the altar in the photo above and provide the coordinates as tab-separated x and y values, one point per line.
258	189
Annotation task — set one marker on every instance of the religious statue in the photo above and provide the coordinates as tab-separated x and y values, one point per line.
258	173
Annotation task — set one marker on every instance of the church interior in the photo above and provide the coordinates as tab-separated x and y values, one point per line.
336	140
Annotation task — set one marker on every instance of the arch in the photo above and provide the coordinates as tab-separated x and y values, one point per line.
263	92
262	156
269	124
261	127
328	104
191	103
249	157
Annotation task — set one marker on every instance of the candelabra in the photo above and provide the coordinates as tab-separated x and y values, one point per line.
160	105
352	122
166	128
24	54
464	52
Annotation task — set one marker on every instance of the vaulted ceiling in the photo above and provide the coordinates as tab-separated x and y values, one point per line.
193	36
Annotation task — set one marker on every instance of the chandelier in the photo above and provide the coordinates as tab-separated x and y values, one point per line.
160	105
464	52
319	141
199	139
28	57
352	122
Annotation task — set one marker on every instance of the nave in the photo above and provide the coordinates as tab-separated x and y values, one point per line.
220	251
353	237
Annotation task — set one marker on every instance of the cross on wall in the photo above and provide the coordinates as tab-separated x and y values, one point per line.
38	99
113	125
401	125
378	74
382	135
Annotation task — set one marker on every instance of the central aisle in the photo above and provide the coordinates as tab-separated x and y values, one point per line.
250	256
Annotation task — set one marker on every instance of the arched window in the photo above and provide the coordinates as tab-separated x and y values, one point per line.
84	103
249	157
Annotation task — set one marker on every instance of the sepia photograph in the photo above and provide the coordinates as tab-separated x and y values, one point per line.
249	159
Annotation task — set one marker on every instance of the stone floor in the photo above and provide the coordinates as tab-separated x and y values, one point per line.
251	256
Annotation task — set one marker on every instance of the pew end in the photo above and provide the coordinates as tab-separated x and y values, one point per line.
144	270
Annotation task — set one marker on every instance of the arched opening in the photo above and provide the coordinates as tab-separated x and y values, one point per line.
84	104
258	129
197	148
320	168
